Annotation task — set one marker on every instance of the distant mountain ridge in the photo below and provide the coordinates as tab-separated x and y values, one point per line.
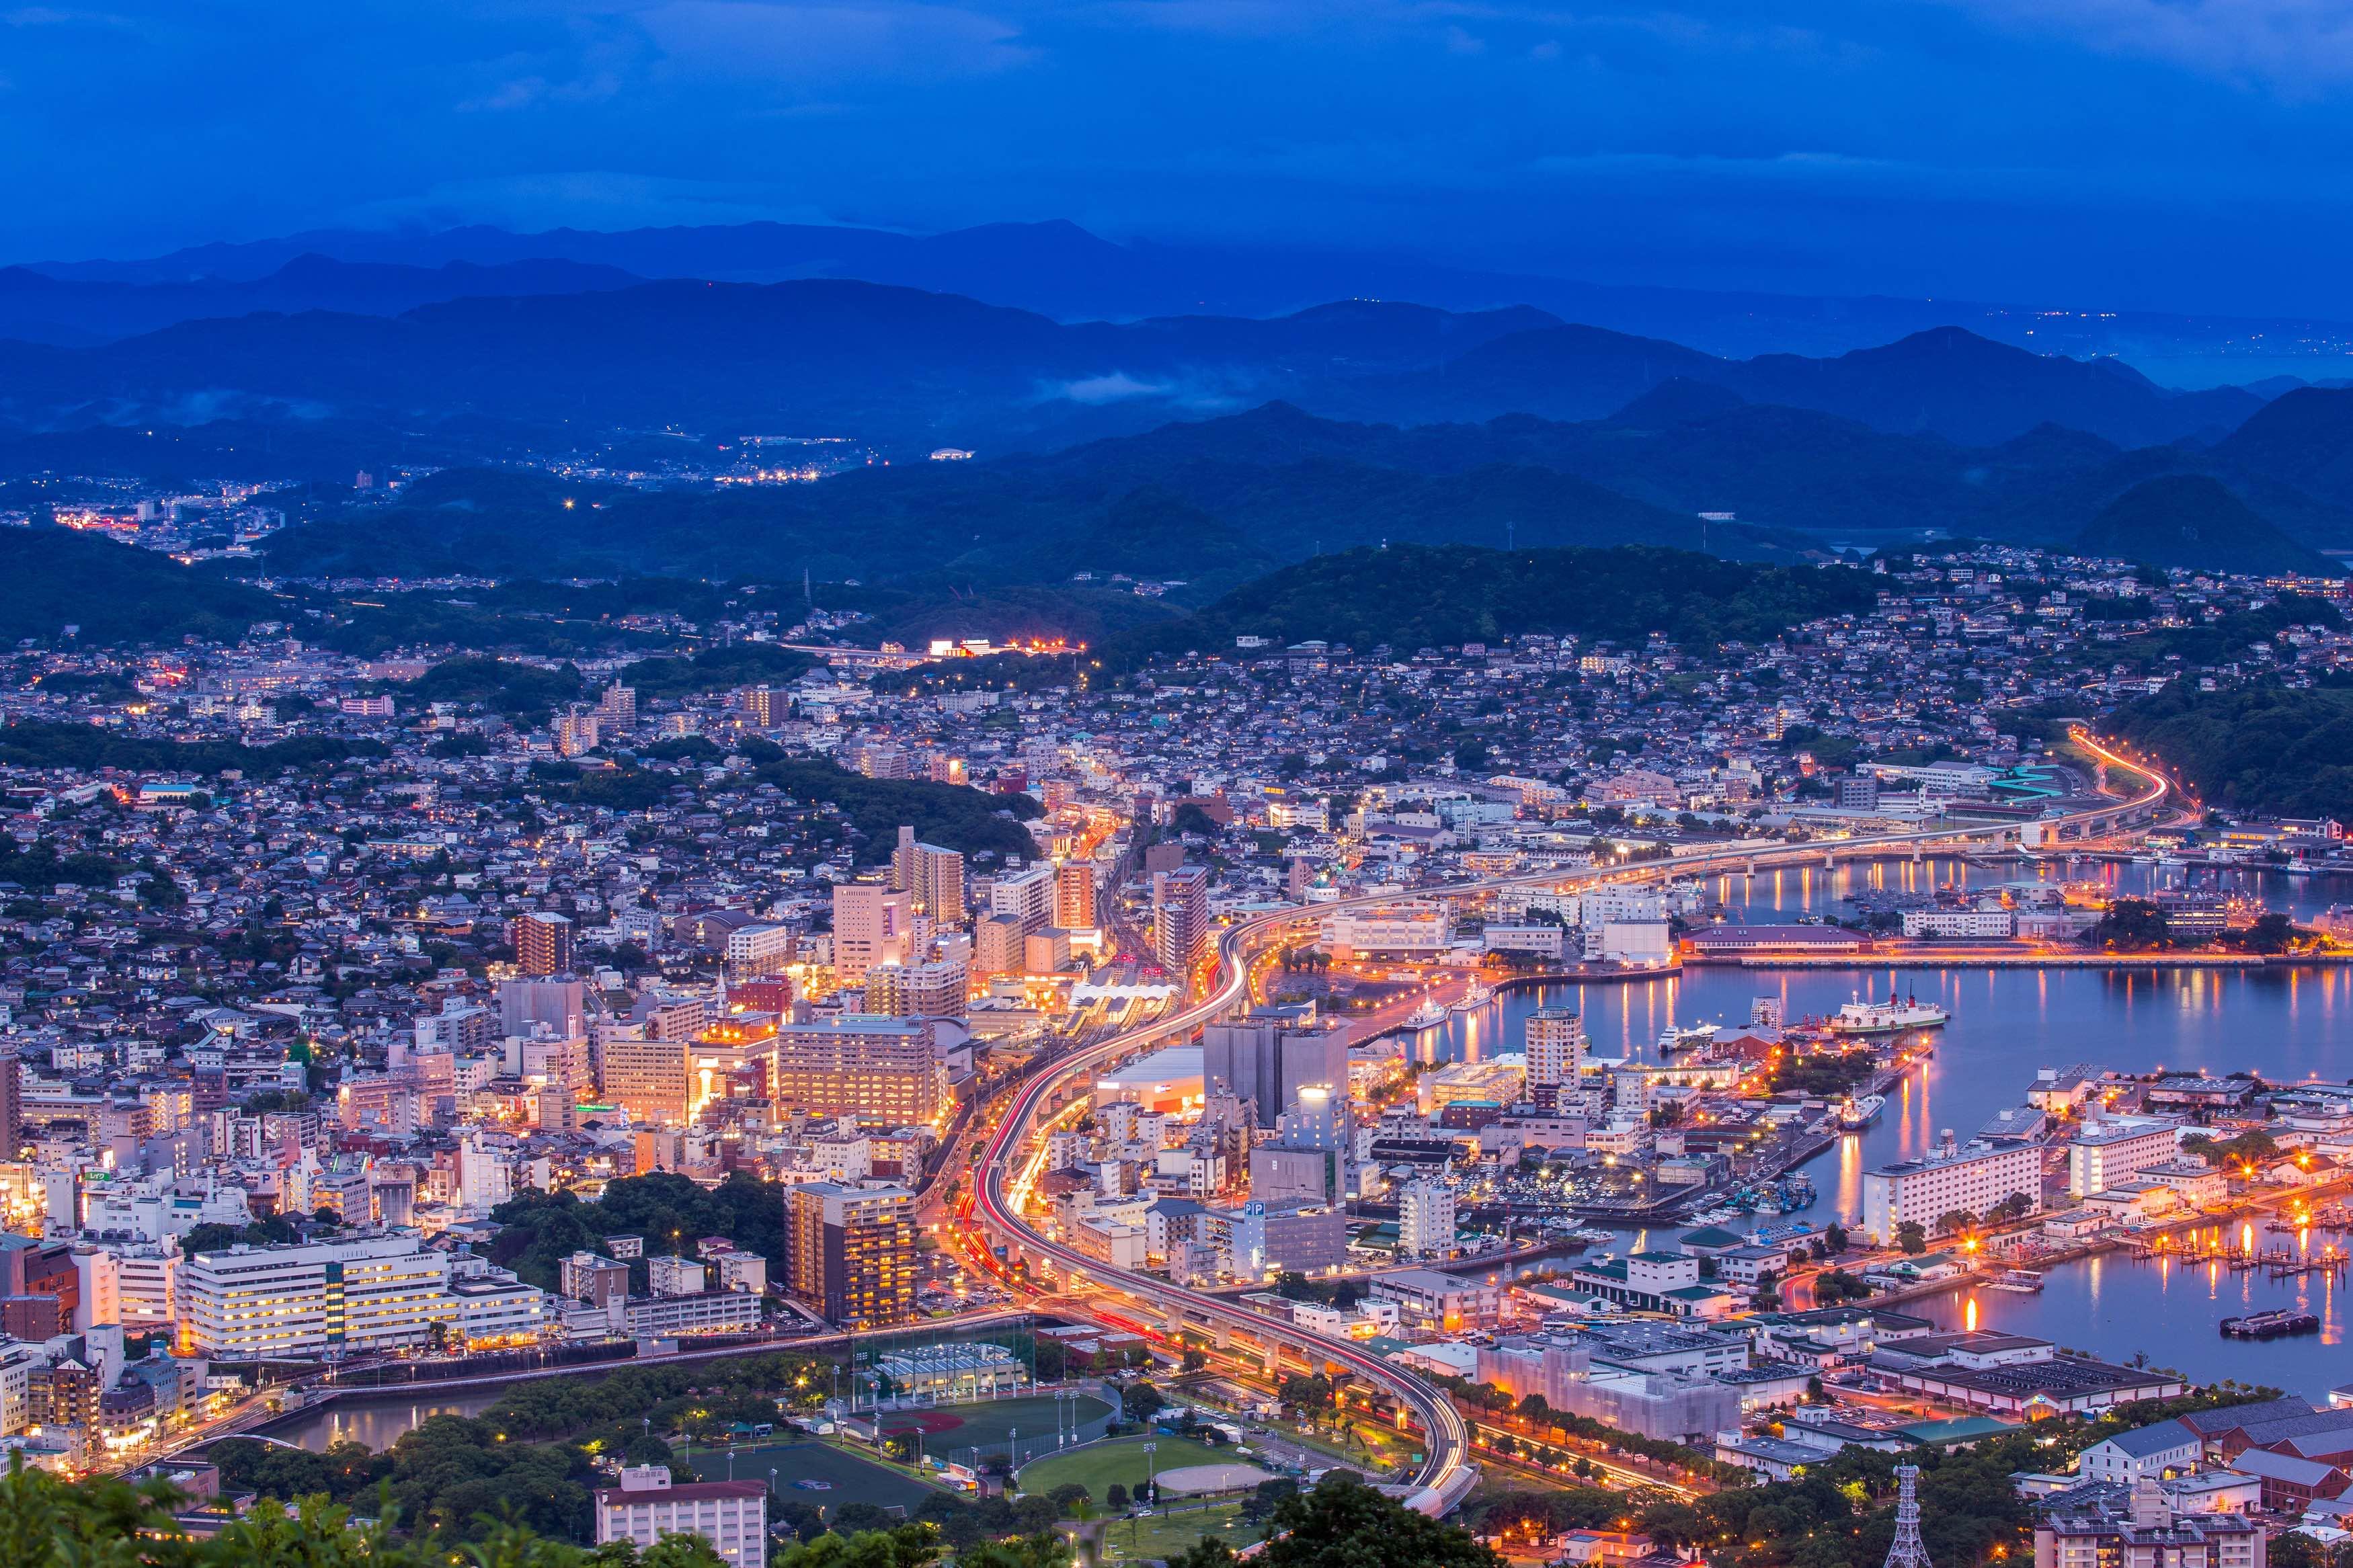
38	308
1060	270
904	366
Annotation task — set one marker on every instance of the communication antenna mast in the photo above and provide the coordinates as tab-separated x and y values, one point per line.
1905	1550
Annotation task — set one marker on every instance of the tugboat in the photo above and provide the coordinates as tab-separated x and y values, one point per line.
2270	1325
1892	1016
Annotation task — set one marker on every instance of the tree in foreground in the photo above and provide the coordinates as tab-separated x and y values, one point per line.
1343	1524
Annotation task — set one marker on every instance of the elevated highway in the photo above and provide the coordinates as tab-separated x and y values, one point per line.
1010	1164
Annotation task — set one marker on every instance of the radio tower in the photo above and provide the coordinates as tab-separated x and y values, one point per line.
1905	1550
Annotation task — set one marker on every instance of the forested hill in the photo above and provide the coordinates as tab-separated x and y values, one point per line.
51	578
1409	596
2254	748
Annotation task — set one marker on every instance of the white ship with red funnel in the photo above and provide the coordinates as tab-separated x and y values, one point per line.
1893	1016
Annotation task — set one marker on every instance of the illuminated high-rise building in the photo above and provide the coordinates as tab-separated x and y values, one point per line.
1180	917
543	942
931	876
849	1252
1074	895
1555	1047
871	924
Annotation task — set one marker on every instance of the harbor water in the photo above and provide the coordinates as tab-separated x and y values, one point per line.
2286	1024
378	1419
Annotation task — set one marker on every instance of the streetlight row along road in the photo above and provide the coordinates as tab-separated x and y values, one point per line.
1447	1472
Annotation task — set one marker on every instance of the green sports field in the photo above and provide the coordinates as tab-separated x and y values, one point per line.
950	1426
841	1477
1166	1535
1123	1460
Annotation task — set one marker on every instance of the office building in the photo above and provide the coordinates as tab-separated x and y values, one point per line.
1556	1048
1858	792
849	1252
1413	928
1180	919
648	1078
559	1008
931	876
999	946
934	990
1074	895
1498	1081
1278	1174
1268	1059
542	942
1046	951
1261	1238
876	1068
872	925
1027	896
757	951
372	1294
732	1516
1431	1301
33	1270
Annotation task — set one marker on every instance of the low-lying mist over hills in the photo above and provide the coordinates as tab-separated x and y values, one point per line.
1204	446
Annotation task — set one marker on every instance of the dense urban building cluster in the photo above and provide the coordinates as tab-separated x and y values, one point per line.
322	968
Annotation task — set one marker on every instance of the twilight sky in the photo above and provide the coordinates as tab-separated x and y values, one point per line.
2189	154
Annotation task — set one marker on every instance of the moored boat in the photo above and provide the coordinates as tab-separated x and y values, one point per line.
2270	1325
1892	1016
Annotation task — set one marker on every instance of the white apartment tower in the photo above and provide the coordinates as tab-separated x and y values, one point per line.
1426	1220
1555	1047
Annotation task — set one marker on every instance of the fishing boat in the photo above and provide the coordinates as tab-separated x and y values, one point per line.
1855	1115
2270	1325
1892	1016
2019	1282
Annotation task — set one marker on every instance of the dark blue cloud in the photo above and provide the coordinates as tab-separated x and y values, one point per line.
2120	153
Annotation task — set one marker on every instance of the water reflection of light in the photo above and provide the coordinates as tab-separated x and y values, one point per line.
1850	1179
